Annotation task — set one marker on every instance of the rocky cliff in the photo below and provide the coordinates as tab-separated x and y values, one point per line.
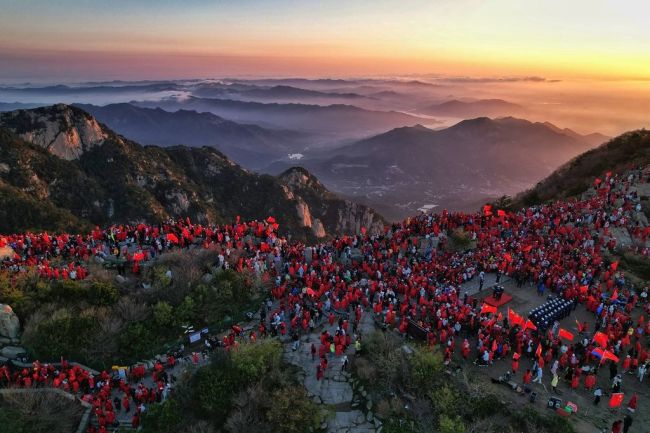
65	131
345	216
112	180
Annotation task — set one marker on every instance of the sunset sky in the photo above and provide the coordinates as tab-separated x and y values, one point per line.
75	39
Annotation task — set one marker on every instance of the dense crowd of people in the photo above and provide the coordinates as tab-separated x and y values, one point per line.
409	273
66	256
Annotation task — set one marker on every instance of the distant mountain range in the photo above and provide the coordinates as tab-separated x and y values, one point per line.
278	93
249	145
338	119
60	169
409	168
480	108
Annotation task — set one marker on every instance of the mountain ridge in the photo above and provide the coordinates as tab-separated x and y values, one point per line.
457	167
576	176
119	180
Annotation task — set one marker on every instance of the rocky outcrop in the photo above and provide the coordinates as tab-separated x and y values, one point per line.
65	131
9	323
316	202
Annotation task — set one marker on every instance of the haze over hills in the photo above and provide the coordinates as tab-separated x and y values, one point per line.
409	168
339	119
466	110
276	93
94	176
249	145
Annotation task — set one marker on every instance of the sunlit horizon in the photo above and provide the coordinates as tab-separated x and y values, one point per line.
85	40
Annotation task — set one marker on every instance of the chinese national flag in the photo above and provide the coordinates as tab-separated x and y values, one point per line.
501	213
530	325
514	318
614	266
609	355
584	289
486	308
538	352
563	333
601	339
616	399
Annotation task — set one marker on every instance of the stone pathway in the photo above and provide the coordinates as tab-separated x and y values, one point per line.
335	391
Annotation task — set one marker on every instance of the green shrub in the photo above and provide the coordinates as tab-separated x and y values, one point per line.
70	290
163	314
451	425
66	334
162	418
292	411
102	293
215	386
425	367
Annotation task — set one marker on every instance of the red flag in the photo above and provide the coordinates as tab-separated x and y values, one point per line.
514	318
584	289
614	295
363	231
616	399
614	266
172	238
538	352
501	213
563	333
486	308
138	256
487	210
609	355
530	325
601	339
527	248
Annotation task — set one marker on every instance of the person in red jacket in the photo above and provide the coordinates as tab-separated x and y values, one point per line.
590	381
631	406
135	421
515	363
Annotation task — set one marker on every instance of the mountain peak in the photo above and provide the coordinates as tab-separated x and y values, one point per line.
299	177
66	131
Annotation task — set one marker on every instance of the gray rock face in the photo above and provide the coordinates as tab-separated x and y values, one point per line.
12	352
65	131
9	323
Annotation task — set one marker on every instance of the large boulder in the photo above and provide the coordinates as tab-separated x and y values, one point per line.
9	323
